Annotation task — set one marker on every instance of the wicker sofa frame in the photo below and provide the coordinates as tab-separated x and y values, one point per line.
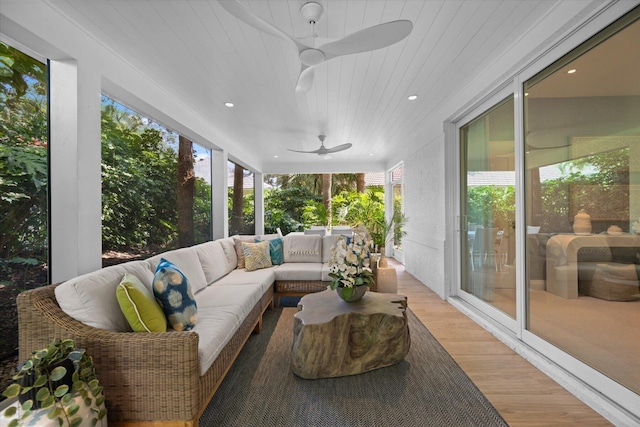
149	379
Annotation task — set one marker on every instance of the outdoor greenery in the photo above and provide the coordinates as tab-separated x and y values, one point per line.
23	164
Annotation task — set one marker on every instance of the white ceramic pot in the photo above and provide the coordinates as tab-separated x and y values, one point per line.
582	223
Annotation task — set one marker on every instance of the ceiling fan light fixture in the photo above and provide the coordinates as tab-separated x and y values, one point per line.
311	57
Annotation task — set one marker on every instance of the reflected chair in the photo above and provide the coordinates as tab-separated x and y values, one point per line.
316	229
483	246
500	250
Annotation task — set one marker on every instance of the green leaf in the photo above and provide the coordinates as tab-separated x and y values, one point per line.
12	391
10	411
13	423
58	373
55	413
73	409
48	402
66	399
61	390
43	394
42	380
27	405
75	422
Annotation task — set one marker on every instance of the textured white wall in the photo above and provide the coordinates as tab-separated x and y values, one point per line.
424	202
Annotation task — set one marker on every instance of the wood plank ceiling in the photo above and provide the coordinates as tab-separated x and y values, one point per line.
206	57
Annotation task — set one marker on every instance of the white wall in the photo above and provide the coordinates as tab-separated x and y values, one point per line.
423	246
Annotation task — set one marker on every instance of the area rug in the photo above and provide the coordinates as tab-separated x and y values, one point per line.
428	388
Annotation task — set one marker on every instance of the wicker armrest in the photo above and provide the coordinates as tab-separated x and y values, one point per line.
145	375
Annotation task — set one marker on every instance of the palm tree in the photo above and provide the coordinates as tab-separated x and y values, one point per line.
186	192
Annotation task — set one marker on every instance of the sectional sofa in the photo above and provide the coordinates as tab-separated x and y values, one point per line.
168	378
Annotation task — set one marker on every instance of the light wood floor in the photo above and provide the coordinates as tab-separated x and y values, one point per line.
522	394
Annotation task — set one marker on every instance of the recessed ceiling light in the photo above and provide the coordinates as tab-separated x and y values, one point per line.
275	155
571	71
228	104
526	94
412	97
371	154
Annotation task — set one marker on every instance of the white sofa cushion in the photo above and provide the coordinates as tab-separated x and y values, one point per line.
299	271
328	242
187	260
301	248
263	277
91	298
222	310
214	262
230	252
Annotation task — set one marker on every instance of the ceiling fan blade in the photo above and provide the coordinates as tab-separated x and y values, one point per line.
338	148
243	13
305	79
306	152
371	38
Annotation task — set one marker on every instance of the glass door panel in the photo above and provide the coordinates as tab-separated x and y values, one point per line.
488	208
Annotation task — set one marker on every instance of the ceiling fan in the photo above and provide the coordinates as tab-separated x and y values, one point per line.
371	38
324	151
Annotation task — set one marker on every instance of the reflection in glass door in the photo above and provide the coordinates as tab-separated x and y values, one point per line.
488	208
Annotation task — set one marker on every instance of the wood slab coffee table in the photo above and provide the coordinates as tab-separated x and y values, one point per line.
332	338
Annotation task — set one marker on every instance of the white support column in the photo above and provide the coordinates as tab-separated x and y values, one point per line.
388	207
219	194
75	192
258	205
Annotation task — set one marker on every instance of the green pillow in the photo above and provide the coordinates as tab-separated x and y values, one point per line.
275	250
256	255
139	306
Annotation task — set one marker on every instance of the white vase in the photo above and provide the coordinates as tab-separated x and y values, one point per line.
582	223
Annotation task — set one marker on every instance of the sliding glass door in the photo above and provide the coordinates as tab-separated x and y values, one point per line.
488	207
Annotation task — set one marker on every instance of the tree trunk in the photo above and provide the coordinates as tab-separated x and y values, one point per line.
326	194
238	200
360	182
186	190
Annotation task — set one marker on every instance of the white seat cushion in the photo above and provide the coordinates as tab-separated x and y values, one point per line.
299	271
221	311
263	277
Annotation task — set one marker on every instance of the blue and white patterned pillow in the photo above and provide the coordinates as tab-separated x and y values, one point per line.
275	250
173	292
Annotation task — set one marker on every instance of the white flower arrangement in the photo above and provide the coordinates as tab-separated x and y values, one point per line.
350	264
635	226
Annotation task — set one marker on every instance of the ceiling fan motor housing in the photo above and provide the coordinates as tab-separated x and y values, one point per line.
312	12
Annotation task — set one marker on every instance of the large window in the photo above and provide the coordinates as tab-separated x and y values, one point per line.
24	217
241	200
156	187
582	201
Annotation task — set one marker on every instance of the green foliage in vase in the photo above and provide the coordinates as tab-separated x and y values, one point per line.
46	371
